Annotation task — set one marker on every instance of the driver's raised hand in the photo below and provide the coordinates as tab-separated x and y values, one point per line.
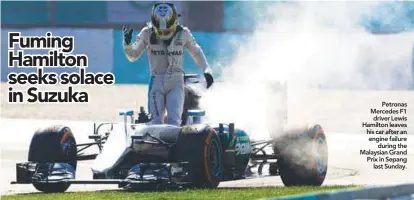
127	34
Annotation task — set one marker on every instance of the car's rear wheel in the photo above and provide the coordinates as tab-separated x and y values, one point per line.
303	156
201	147
55	144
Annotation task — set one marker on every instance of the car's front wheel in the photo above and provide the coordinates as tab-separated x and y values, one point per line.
55	144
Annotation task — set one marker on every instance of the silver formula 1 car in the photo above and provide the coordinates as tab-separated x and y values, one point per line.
134	154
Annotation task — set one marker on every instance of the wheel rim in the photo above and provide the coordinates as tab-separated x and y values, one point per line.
67	146
214	158
320	158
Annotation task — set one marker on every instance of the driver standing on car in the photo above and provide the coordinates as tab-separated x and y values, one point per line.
165	40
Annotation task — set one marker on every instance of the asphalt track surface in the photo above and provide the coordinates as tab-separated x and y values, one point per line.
346	166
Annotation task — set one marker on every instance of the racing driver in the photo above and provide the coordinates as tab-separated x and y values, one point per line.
165	39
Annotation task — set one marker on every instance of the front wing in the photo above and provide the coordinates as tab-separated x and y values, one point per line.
150	174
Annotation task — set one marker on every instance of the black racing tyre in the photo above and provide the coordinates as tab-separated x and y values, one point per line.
201	147
303	157
191	101
54	144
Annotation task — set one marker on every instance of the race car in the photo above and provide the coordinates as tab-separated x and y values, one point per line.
134	154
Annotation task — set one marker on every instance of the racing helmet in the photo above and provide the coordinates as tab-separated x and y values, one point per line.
164	20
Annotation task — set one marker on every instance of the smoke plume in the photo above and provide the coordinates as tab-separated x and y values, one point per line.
306	45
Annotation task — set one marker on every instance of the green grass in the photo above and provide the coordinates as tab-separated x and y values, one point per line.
221	193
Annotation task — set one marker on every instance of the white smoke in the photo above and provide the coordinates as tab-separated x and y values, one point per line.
306	44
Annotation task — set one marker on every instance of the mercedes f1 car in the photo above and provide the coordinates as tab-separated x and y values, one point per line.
135	154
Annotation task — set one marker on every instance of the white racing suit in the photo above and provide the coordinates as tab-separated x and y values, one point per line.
166	87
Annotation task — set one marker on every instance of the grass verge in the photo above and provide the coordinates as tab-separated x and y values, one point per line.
221	193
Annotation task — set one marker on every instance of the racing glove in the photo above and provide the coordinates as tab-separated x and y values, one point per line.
127	35
209	79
